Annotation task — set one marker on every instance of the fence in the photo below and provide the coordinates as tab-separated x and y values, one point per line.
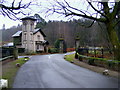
100	52
83	55
5	51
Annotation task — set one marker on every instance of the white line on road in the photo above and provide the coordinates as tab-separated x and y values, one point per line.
30	56
49	56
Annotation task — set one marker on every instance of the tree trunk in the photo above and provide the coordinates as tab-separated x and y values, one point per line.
114	39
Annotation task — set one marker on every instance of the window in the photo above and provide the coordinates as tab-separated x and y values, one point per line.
24	22
25	25
37	47
25	36
25	28
31	27
31	36
38	36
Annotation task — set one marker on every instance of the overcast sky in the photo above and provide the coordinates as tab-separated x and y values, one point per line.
44	4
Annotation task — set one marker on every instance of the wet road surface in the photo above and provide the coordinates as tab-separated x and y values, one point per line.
52	71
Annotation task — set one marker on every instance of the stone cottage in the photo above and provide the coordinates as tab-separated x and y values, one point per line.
33	40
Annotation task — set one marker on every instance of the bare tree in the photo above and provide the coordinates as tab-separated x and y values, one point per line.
104	11
12	9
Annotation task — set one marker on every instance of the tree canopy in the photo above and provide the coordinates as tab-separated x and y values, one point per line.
105	11
40	21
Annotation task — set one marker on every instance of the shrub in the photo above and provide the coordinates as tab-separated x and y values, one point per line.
80	58
110	63
57	44
91	61
21	50
30	53
103	62
53	50
113	64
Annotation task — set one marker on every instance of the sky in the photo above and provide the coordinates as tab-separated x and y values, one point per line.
40	10
43	5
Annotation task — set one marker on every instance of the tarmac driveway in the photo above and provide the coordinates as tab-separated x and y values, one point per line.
52	71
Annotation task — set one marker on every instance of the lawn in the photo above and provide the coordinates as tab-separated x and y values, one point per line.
70	57
10	69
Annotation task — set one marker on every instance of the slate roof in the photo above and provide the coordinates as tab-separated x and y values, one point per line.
29	18
36	30
17	34
8	44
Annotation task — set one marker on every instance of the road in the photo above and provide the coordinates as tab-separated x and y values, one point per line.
52	71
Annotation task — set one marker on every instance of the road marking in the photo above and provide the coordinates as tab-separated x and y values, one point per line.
30	56
49	57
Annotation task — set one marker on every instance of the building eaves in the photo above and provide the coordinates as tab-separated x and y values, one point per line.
36	30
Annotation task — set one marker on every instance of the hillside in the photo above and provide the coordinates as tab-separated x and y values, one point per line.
7	34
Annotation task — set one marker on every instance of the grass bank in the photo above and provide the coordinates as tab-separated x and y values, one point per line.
10	69
71	58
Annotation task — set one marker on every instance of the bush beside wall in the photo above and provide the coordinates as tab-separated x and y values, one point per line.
102	62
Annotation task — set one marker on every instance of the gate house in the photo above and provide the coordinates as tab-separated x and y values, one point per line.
29	38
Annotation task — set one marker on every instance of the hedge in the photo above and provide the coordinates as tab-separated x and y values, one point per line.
103	62
53	50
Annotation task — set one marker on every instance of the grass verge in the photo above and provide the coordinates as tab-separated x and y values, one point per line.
10	69
71	58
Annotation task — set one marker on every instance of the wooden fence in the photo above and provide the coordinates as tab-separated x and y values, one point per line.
100	53
5	52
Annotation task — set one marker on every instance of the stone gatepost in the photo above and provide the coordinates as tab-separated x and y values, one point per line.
77	42
46	46
61	45
15	52
47	49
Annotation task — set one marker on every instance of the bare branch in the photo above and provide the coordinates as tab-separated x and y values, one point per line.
91	23
13	3
105	7
117	22
97	10
88	25
116	9
74	8
89	17
67	10
13	10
